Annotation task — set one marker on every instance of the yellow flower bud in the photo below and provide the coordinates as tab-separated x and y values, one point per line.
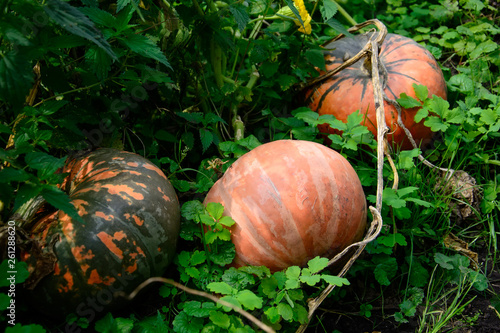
304	15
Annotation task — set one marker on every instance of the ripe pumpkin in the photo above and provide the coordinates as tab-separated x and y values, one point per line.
131	222
292	201
406	62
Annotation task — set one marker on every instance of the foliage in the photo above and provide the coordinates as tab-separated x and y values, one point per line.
193	85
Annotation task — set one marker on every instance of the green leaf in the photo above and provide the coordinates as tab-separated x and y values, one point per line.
225	255
308	116
240	15
306	277
285	311
269	286
18	270
328	10
462	83
99	62
144	46
215	209
60	200
193	272
46	164
421	92
198	257
206	138
317	264
422	113
190	210
4	301
408	102
316	57
16	77
237	279
489	116
71	19
438	105
26	192
99	16
20	328
198	309
250	142
249	300
391	198
183	323
220	319
436	124
292	272
221	288
335	280
272	314
227	221
339	27
443	261
385	270
10	174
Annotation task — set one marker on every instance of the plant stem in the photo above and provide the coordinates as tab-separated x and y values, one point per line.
198	8
345	14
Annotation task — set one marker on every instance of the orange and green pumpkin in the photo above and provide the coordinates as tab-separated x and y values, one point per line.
291	201
129	229
404	62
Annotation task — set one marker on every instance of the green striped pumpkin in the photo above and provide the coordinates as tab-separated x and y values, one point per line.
406	63
131	221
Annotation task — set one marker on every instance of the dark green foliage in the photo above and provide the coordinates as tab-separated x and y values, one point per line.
193	85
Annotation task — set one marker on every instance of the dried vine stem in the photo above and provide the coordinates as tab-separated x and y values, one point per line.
371	49
447	171
380	36
211	297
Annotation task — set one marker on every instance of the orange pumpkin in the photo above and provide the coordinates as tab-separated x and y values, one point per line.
292	201
405	62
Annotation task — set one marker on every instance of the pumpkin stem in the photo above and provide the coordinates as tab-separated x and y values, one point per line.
25	214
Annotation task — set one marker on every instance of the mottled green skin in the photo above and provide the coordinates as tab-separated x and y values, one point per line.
131	222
